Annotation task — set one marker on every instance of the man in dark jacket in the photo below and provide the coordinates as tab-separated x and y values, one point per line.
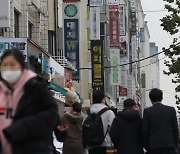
160	128
126	130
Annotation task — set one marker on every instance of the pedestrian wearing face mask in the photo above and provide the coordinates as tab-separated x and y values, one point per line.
28	112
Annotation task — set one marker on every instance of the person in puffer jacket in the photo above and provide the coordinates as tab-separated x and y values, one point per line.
126	130
28	112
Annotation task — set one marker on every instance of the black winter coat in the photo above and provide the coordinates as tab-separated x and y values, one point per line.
35	118
126	132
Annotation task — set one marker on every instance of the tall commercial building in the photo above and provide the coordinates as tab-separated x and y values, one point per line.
85	45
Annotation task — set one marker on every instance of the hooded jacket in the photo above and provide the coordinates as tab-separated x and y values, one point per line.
74	133
107	119
126	132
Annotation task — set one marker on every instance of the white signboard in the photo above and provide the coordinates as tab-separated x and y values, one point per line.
122	19
113	1
4	13
8	43
133	48
133	5
123	72
95	23
115	62
96	2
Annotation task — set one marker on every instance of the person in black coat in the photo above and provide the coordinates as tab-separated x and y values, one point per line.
160	128
28	111
126	130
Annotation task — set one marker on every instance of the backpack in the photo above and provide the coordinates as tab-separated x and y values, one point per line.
93	130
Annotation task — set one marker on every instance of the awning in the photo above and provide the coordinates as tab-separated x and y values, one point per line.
57	88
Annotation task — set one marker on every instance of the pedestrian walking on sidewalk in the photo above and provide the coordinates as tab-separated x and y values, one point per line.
126	130
28	112
100	117
74	119
160	128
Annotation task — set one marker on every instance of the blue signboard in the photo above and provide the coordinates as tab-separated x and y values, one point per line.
71	44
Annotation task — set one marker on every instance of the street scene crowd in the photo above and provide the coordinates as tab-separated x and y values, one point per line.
29	118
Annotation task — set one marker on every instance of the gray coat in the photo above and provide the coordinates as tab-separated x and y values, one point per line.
73	143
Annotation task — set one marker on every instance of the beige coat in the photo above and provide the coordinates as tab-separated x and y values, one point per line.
73	143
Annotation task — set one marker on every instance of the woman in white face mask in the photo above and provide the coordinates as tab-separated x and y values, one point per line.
28	112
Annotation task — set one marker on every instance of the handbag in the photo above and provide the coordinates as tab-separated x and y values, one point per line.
111	150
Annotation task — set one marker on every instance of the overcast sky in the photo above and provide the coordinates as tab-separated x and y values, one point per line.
162	39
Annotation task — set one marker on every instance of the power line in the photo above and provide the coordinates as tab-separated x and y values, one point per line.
136	60
144	65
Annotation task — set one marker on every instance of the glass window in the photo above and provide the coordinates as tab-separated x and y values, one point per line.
16	23
30	28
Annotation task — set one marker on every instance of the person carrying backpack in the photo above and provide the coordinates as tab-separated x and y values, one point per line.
97	125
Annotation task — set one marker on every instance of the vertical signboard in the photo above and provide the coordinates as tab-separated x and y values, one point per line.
97	65
71	44
122	18
133	5
8	43
133	48
4	13
133	23
95	2
123	72
95	23
142	35
114	25
115	62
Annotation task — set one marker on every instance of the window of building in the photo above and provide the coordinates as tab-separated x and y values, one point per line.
30	28
16	23
50	41
1	32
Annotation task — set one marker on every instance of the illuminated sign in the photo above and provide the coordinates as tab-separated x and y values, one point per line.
97	65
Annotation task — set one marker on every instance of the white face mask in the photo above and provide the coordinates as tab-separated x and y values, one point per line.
11	76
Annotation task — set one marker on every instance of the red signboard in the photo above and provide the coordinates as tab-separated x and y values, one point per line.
122	91
114	25
68	1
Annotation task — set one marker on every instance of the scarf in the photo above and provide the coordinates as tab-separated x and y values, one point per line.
9	100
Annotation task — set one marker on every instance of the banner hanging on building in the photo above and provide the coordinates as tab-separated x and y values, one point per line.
97	65
8	43
114	25
122	18
4	13
115	62
95	23
71	44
